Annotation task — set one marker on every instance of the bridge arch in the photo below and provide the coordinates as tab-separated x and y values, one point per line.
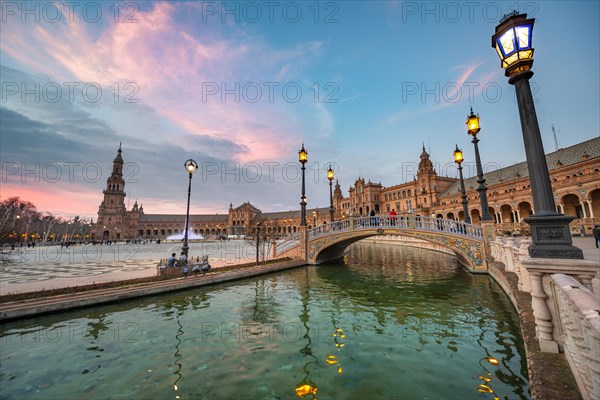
329	241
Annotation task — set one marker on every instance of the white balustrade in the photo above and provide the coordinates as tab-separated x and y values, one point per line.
430	224
566	306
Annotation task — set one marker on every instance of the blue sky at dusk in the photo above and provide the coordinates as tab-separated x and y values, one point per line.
239	86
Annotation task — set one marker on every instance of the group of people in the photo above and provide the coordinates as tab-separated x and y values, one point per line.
200	266
173	262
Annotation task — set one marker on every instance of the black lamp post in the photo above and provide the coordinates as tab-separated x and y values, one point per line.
330	176
303	158
458	158
190	166
257	240
549	229
473	130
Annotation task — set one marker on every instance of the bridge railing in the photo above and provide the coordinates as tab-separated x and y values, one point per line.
283	245
418	223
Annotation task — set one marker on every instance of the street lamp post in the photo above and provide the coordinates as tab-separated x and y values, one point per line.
257	240
190	166
16	220
303	158
473	130
330	176
458	158
549	229
68	228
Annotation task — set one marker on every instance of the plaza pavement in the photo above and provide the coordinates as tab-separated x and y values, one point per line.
52	267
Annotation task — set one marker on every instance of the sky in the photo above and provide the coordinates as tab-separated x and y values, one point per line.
240	86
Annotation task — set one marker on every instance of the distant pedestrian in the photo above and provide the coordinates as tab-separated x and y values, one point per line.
171	261
372	215
453	226
393	217
596	233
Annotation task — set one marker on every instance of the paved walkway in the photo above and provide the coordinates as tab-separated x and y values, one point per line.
587	244
52	267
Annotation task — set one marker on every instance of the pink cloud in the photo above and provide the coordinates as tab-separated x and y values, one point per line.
57	197
170	64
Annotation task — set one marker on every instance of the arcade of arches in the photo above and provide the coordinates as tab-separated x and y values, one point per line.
574	173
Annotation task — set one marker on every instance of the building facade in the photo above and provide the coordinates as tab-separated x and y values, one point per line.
574	173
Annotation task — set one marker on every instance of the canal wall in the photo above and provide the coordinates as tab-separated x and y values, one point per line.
549	374
52	304
559	307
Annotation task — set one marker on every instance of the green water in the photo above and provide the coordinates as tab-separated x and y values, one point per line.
389	323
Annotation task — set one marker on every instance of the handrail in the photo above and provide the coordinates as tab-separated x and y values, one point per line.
286	244
429	224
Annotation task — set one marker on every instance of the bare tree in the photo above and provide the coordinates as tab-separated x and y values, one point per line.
48	222
15	212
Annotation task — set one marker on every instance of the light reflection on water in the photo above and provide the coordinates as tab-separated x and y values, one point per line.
392	323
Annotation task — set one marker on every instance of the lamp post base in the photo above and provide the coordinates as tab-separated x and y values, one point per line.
551	237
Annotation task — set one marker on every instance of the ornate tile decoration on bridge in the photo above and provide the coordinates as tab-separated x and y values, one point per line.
472	250
488	238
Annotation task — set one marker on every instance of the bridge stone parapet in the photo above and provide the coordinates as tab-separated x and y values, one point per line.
565	297
577	313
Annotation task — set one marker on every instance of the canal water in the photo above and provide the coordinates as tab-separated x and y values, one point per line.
389	322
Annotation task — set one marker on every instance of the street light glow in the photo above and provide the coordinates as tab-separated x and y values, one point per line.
512	42
191	166
473	123
458	155
303	155
330	173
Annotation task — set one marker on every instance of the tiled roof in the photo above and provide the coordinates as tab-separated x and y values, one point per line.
181	217
568	156
294	214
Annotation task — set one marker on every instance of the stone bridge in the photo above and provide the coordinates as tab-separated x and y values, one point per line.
329	241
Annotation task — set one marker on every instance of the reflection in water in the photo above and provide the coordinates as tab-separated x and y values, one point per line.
486	377
338	336
391	323
177	354
93	334
306	386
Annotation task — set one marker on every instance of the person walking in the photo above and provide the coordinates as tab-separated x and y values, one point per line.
393	217
596	233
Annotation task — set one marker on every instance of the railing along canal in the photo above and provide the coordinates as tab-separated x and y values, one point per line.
429	224
288	243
